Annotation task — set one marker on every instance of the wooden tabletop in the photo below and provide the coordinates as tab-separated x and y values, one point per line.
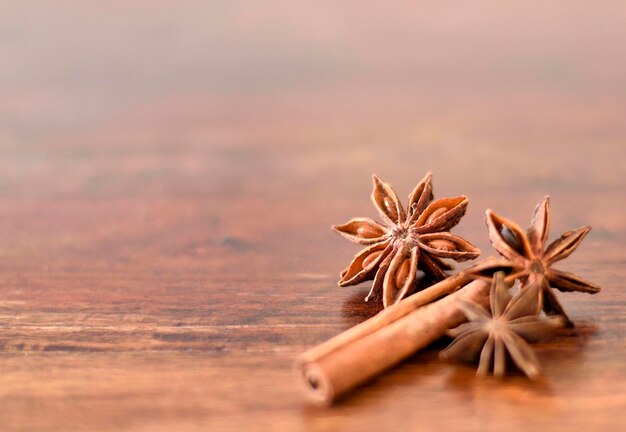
169	173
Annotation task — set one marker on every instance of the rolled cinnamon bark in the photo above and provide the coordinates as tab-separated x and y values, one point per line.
364	351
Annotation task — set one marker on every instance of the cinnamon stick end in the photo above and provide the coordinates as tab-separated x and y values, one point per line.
317	386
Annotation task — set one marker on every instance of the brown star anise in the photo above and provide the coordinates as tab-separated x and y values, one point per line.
511	322
405	241
526	258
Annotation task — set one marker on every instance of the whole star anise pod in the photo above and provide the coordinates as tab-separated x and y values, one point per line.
526	258
490	335
406	240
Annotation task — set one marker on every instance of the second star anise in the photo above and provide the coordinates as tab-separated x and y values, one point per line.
526	257
407	240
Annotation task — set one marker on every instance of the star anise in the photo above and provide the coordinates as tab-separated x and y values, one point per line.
507	328
526	258
406	240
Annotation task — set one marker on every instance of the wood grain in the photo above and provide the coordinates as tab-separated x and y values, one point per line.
169	176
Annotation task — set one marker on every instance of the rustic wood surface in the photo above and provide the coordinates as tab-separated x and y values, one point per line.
169	172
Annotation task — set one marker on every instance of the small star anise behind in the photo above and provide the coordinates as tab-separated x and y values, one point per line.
490	335
406	240
526	258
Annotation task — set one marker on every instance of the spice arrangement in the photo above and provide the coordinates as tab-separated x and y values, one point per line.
493	309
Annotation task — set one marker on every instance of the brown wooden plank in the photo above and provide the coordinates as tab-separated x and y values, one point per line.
169	175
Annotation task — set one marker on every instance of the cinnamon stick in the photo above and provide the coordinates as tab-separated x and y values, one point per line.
364	351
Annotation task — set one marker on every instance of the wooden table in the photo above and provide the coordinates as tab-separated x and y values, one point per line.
169	174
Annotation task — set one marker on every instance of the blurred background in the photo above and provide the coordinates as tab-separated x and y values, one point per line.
283	104
271	109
